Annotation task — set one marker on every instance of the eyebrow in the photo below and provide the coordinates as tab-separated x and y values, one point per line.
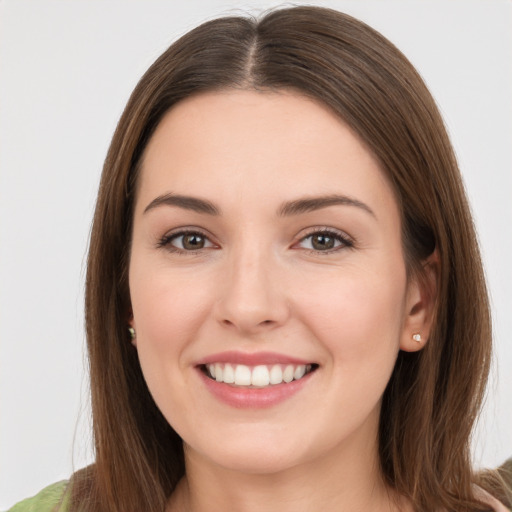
287	209
309	204
186	202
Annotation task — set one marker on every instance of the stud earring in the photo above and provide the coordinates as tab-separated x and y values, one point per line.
417	337
131	330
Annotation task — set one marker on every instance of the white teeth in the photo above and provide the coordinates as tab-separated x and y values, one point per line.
288	373
229	374
258	376
218	373
276	375
299	372
242	375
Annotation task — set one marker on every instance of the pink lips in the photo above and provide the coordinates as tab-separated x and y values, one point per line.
251	359
248	397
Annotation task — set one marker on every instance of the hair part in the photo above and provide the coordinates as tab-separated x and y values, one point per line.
433	397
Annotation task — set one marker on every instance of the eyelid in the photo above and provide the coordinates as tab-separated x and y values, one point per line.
165	241
347	241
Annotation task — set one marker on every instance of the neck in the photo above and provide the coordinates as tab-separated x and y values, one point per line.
347	478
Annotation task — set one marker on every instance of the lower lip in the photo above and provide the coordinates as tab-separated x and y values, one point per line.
255	398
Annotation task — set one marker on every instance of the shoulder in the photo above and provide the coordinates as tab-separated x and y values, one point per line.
53	498
490	500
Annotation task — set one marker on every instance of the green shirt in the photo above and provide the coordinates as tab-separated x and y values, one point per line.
56	497
51	499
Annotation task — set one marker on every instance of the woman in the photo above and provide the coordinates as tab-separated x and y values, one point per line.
281	283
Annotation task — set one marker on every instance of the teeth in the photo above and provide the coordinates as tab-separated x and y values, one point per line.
229	374
242	375
288	373
256	376
276	374
299	372
260	376
218	373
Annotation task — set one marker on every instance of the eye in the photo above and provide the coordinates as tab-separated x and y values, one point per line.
325	240
185	241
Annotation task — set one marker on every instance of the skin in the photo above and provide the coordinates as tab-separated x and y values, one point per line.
259	283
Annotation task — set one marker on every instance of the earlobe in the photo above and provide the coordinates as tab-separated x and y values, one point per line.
131	329
420	306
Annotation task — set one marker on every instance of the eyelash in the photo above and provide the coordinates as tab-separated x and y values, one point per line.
165	241
345	241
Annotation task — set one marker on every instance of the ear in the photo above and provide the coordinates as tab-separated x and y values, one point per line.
420	305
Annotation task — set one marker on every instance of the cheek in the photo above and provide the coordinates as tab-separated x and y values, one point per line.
359	322
168	311
167	307
358	316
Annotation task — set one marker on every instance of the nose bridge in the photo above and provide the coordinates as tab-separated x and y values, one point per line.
251	296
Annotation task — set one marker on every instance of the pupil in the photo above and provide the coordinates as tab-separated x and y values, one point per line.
323	242
193	242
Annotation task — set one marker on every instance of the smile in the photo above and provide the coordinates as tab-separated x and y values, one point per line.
254	380
259	376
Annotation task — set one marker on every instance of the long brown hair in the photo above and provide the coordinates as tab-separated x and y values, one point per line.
433	398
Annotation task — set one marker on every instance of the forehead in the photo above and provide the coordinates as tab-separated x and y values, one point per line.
258	144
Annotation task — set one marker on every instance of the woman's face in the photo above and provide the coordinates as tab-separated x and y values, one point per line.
266	247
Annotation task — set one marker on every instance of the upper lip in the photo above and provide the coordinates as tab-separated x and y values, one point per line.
251	359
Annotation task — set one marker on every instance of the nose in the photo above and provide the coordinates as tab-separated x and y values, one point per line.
252	298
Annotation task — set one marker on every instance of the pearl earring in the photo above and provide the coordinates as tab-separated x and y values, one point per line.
131	330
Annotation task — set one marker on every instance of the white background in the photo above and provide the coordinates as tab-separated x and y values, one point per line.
66	70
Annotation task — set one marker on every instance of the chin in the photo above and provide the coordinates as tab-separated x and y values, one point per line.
256	462
259	452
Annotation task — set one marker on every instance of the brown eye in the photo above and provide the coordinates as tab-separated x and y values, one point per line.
325	241
192	241
185	241
322	242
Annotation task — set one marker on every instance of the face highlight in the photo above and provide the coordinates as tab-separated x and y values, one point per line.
267	281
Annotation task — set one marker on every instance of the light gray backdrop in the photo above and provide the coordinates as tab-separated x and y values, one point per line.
66	70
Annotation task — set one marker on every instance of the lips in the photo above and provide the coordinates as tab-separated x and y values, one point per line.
254	359
254	380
